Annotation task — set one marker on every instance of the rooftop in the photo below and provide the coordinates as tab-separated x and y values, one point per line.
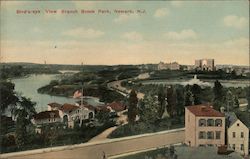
204	111
117	106
55	105
68	107
47	115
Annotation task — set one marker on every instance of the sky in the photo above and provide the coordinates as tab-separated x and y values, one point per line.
165	31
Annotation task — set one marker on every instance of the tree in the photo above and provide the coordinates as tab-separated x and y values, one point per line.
196	90
171	99
236	102
161	101
149	109
218	95
248	96
132	109
189	100
8	96
230	101
23	113
180	100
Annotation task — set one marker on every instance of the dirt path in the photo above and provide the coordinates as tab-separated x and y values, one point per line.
103	135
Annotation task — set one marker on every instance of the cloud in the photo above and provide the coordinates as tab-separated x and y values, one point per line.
176	3
161	12
132	36
84	33
235	21
125	17
182	35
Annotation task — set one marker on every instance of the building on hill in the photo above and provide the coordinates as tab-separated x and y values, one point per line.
204	126
237	134
205	64
168	66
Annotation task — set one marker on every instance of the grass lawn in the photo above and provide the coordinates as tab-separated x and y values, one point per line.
142	128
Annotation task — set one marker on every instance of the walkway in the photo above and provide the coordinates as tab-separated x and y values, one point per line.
111	147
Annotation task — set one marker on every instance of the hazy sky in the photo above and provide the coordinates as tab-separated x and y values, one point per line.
168	31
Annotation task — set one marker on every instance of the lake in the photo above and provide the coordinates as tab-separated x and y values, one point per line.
28	87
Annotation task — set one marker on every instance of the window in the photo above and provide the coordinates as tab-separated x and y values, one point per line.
241	147
210	135
210	122
202	135
242	135
238	124
202	122
234	134
218	122
217	134
233	146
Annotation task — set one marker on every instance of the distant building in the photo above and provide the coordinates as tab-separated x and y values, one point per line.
204	126
205	64
237	134
168	66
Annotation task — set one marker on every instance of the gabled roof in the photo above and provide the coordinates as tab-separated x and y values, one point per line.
117	106
231	118
55	105
204	111
68	107
90	107
47	115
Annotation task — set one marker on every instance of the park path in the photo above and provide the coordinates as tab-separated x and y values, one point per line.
103	135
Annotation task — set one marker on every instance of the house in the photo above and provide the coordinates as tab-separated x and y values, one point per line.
72	114
204	126
54	106
46	117
237	134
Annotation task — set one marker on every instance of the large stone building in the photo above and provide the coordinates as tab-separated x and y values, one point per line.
204	126
168	66
205	64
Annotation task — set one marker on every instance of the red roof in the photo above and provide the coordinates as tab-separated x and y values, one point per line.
102	108
90	107
47	115
117	106
68	107
55	105
203	110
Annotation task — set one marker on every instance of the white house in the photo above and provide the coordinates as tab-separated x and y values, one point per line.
76	113
237	134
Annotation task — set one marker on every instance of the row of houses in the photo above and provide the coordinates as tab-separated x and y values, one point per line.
71	114
205	126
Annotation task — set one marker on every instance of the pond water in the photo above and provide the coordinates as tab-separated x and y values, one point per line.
28	87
